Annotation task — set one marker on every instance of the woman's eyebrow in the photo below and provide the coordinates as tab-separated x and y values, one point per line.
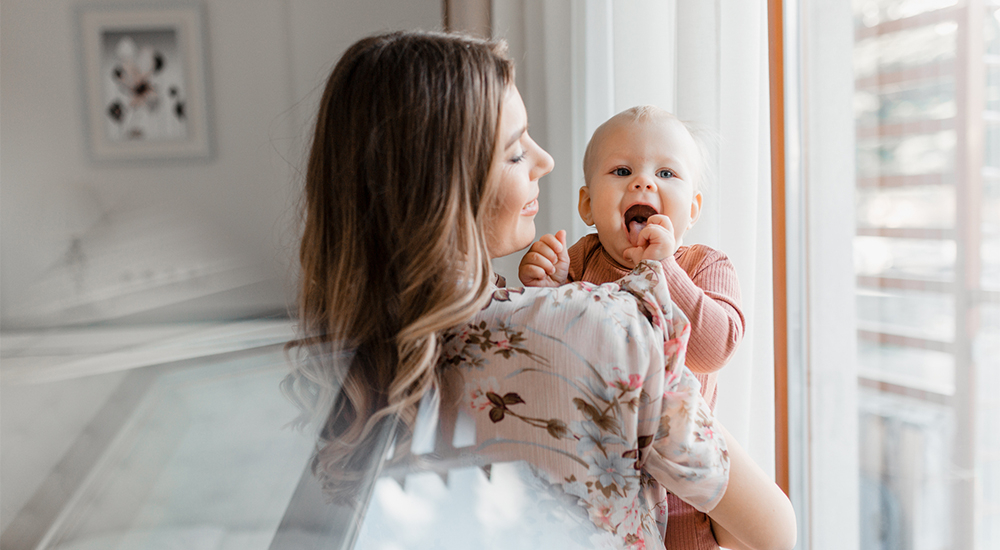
516	136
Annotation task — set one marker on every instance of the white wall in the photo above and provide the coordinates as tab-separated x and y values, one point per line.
166	240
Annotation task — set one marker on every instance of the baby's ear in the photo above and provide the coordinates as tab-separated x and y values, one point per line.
584	206
695	208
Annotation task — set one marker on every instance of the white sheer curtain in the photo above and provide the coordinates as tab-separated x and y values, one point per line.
581	61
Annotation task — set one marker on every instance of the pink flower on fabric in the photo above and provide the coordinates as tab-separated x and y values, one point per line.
503	343
632	383
705	433
476	392
675	346
600	513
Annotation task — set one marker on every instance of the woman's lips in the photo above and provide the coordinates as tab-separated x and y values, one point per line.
530	209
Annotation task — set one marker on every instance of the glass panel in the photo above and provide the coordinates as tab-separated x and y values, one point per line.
893	104
907	313
164	457
905	49
992	143
905	490
907	155
991	262
929	206
927	370
993	87
904	258
916	486
872	12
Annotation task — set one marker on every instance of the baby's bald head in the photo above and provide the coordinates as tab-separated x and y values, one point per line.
643	114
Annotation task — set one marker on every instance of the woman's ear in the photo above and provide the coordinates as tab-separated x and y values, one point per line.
584	206
695	208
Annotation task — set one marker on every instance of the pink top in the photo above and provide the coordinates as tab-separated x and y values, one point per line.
704	286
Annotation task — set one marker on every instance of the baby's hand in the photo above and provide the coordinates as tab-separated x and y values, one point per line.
656	241
546	263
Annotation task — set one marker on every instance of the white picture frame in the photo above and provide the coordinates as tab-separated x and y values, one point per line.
144	74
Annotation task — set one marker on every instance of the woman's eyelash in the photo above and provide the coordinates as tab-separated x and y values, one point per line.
519	158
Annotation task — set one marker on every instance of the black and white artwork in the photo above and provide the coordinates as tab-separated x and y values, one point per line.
144	73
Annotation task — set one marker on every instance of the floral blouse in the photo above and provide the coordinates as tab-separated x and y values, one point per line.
587	384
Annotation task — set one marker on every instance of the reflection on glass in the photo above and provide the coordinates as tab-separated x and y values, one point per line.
897	103
907	155
926	208
905	489
917	314
906	49
992	157
905	258
930	206
872	12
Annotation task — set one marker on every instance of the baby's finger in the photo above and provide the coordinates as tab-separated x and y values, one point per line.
547	247
529	274
662	221
561	237
553	243
541	261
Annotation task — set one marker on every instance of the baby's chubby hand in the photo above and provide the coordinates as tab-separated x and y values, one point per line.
656	241
546	263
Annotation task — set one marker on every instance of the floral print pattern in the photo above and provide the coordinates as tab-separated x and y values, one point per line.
588	384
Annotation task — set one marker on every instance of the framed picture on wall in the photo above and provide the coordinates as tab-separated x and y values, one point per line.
144	75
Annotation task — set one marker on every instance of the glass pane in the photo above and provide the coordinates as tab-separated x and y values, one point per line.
196	456
872	12
913	102
915	474
993	87
925	259
905	491
929	206
991	263
986	354
927	370
907	155
907	313
906	49
992	143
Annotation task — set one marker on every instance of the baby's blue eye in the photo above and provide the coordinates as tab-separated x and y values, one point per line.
665	173
622	172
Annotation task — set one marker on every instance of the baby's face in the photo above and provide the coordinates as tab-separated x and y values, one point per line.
638	169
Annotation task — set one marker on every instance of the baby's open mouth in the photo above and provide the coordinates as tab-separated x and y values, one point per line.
636	218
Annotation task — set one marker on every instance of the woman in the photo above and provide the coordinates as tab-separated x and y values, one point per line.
421	171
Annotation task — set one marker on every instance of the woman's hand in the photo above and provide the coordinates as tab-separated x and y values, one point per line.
546	264
656	241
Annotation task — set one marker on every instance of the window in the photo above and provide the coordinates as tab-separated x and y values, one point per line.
922	197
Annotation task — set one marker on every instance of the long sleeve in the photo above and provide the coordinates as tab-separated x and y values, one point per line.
704	285
587	383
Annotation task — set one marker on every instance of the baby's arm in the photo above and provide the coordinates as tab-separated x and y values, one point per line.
708	292
546	263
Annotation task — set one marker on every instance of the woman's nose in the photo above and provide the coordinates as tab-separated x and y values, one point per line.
544	164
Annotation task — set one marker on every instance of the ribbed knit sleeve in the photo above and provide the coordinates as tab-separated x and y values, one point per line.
703	283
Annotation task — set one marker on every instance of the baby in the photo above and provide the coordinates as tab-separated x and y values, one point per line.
643	170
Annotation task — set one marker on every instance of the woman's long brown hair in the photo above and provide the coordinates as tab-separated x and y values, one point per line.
393	250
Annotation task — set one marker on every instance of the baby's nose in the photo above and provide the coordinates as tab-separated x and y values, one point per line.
643	184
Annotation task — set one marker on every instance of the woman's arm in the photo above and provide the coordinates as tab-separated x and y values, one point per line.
754	514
